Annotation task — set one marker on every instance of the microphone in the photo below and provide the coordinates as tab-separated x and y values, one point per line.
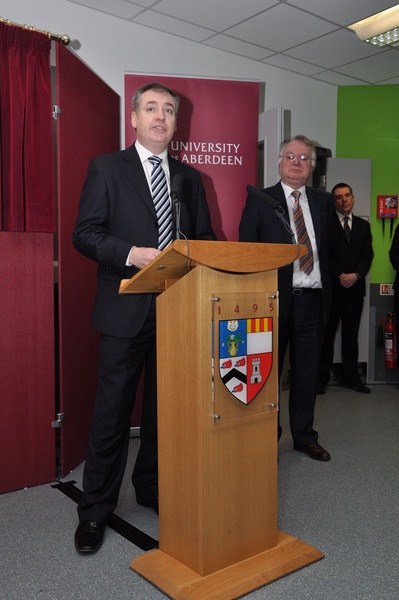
277	207
175	194
263	197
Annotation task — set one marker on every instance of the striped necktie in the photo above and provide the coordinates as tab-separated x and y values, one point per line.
306	262
160	196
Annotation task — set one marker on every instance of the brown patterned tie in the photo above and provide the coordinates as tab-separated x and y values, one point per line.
306	262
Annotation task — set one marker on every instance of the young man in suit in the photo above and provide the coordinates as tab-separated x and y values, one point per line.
351	257
394	258
118	227
304	286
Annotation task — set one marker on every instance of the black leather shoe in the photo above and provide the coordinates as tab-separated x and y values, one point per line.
363	389
315	451
321	389
89	536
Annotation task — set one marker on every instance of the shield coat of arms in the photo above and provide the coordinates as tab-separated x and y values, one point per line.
245	355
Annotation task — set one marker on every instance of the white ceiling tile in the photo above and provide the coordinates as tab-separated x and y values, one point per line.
280	27
224	42
305	36
116	8
333	49
338	78
160	22
143	3
343	12
215	15
291	64
374	69
391	81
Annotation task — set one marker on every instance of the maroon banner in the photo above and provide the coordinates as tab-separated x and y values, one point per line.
217	133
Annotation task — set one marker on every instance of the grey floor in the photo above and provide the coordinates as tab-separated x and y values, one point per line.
347	508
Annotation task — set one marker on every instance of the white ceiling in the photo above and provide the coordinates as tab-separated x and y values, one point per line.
302	36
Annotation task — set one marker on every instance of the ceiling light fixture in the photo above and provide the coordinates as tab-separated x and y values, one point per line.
381	29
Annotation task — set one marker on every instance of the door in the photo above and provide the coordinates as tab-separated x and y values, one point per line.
87	125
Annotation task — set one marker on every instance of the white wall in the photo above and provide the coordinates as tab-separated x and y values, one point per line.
112	47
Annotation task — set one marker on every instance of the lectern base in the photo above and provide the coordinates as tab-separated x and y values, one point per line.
181	583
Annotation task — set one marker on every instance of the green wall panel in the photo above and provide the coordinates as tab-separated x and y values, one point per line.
368	127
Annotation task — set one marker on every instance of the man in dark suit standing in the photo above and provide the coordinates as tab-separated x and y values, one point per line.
351	257
304	216
394	258
118	227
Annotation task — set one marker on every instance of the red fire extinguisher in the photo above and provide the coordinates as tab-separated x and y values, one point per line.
390	350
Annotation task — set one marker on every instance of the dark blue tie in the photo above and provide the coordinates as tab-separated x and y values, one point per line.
347	229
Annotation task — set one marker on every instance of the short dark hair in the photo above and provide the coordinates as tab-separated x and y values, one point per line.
341	185
157	87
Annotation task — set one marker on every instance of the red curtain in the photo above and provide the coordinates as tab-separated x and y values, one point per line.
26	140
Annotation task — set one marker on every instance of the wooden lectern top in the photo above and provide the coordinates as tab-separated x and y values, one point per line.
232	257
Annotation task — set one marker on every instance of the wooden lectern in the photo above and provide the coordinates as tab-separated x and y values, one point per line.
217	420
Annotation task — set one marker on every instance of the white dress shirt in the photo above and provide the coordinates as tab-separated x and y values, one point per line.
300	279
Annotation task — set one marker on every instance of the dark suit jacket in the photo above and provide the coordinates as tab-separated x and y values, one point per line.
354	257
259	223
117	212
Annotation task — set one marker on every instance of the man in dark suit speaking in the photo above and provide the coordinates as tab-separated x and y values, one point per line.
302	215
351	256
124	221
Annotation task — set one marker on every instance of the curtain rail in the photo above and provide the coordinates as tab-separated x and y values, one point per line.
64	39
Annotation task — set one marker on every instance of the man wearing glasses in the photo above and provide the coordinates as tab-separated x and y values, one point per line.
305	216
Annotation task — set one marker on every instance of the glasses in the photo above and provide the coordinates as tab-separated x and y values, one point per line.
303	158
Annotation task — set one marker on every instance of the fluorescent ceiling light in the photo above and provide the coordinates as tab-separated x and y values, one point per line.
381	29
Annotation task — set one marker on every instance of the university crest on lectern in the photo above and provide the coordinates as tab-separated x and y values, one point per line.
245	355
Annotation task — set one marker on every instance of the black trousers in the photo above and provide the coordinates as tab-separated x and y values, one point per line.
120	367
347	309
302	332
396	307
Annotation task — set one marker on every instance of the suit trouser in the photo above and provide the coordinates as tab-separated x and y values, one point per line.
302	331
120	367
347	308
396	307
